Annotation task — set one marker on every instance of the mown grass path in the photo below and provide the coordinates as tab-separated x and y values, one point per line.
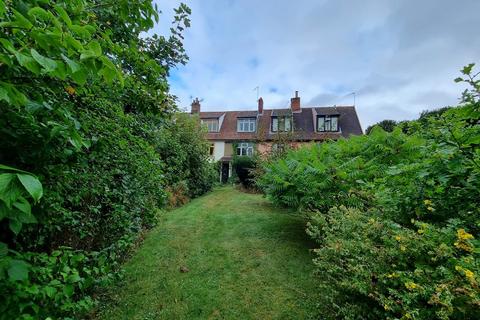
245	260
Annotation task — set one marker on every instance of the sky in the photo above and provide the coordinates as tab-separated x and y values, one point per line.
399	56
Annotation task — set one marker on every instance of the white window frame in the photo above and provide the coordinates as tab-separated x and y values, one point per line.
212	124
246	124
329	124
245	149
281	121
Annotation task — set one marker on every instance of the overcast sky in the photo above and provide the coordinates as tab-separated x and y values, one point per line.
400	57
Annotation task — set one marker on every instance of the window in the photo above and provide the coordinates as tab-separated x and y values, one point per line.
211	149
327	123
283	123
245	149
212	124
278	147
246	125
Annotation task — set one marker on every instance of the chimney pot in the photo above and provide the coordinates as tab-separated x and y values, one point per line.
260	106
196	106
295	103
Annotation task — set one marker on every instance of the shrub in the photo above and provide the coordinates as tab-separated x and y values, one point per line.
243	165
396	215
374	268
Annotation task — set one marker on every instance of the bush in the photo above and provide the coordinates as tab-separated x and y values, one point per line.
395	215
243	166
374	268
84	108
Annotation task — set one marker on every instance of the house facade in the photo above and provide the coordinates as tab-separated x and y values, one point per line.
247	133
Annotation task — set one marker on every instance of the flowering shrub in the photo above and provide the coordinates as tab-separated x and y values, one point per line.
374	268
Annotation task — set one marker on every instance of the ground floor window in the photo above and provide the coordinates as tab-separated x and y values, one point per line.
245	149
211	149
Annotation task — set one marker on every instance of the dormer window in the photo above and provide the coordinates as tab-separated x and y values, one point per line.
246	124
327	123
281	123
212	124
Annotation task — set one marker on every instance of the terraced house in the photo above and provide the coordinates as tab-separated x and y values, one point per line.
247	133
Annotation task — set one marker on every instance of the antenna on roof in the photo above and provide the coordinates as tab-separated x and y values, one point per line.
258	89
354	96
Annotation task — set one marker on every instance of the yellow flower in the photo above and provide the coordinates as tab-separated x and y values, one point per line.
469	275
463	235
398	238
392	275
403	248
411	285
386	307
70	90
427	202
430	208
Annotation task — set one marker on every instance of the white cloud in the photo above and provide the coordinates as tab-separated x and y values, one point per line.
399	56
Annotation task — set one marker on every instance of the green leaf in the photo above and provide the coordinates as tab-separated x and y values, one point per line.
68	290
5	180
27	62
21	21
2	8
32	185
74	67
3	249
7	168
48	64
38	12
23	205
8	45
80	77
468	69
80	31
18	270
74	43
4	95
50	291
63	14
11	95
15	225
95	47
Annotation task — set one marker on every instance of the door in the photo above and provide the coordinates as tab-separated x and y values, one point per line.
225	169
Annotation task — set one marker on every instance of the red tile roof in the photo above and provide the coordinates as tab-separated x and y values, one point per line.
303	124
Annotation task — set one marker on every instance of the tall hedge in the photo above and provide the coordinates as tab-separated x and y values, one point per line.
85	109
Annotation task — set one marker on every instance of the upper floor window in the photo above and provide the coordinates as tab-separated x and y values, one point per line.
281	123
327	123
212	124
246	125
245	149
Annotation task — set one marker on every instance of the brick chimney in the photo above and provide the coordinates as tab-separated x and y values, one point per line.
196	106
295	103
260	106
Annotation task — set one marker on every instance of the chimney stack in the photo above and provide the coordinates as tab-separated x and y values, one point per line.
260	106
295	103
195	106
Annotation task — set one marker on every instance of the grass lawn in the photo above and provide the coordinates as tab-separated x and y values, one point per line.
245	260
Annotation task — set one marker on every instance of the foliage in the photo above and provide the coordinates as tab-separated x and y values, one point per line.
395	214
183	148
243	166
85	111
386	125
372	268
